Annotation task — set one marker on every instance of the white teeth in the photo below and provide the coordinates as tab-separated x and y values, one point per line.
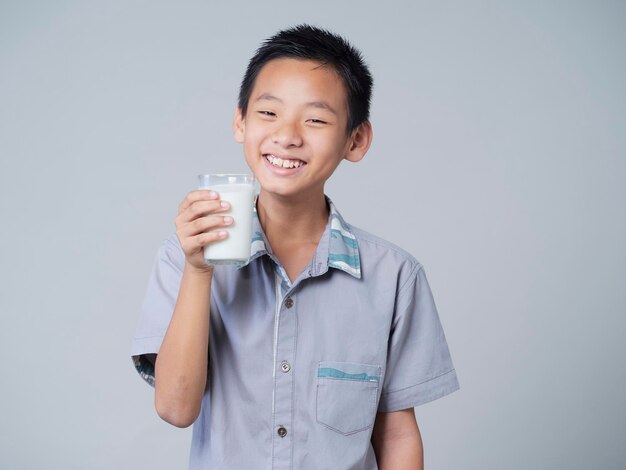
284	163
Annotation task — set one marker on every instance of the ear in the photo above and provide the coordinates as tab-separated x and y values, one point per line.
359	142
239	125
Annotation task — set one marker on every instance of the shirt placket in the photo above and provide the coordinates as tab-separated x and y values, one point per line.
284	358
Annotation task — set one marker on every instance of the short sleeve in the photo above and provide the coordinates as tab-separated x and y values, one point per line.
419	367
158	306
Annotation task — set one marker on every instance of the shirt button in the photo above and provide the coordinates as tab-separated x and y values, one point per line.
282	431
285	367
288	302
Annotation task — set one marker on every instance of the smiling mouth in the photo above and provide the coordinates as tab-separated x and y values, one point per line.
283	163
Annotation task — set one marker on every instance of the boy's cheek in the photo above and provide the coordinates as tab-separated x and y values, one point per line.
251	154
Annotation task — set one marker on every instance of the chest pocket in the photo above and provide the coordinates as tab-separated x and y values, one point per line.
347	395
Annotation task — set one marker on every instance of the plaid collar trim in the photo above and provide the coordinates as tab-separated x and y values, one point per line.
338	247
343	250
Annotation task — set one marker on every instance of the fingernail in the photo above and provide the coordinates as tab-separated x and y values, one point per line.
212	194
224	204
222	233
228	220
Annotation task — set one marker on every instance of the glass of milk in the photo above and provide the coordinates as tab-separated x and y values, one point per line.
238	191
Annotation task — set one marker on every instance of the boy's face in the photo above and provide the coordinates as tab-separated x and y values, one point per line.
294	131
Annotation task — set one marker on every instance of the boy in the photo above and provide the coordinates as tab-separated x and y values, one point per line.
313	354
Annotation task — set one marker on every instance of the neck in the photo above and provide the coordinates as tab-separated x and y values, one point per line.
289	221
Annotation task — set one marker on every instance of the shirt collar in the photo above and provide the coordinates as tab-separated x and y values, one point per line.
338	247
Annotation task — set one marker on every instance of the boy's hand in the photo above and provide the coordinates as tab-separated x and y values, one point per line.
197	226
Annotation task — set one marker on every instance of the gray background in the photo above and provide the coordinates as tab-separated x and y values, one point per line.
498	161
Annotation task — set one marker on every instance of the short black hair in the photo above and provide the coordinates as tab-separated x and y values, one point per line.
308	42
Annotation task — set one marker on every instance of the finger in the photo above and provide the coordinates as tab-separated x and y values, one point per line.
203	224
203	239
197	195
200	209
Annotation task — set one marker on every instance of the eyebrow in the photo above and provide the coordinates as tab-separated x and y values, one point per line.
267	96
322	105
311	104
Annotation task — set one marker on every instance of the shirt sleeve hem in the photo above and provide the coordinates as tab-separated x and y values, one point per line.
146	345
419	394
141	347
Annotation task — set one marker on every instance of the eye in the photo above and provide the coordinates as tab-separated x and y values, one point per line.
267	113
317	121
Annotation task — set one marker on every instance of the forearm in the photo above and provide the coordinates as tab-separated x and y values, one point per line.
397	441
181	365
401	454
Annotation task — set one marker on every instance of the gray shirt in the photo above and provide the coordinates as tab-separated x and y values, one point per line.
298	371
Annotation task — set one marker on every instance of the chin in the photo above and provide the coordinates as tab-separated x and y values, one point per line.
278	190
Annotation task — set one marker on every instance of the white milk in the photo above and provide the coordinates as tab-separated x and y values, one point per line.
235	248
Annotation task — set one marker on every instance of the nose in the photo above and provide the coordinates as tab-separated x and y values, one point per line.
287	134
